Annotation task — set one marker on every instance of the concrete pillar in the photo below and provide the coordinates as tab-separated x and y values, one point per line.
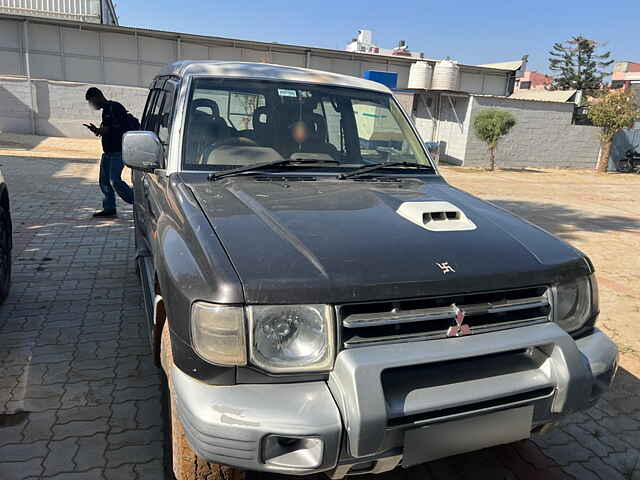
27	69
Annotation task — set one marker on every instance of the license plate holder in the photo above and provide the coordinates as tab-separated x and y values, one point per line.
466	435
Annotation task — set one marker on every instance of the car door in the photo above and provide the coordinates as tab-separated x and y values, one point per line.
155	183
140	206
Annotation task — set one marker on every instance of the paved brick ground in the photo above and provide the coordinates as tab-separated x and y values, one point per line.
80	398
74	354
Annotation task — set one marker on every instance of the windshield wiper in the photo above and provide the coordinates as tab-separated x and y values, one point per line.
260	166
370	168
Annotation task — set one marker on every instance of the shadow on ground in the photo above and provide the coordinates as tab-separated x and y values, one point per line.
565	221
81	396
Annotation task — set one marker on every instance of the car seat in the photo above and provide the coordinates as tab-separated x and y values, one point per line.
204	128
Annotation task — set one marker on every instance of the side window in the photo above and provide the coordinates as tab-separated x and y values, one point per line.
154	118
241	107
334	127
166	115
151	98
149	118
381	136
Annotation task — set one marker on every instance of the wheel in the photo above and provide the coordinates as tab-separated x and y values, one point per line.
5	254
186	464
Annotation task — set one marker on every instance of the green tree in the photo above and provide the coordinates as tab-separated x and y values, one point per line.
577	65
490	125
612	113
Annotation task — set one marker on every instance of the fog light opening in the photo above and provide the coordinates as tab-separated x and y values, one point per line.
359	468
292	452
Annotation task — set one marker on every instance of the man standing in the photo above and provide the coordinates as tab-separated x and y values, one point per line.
113	127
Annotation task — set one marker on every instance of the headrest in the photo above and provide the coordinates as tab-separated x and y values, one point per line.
317	125
261	115
206	103
261	119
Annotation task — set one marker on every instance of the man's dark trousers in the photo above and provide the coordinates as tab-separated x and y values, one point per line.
111	178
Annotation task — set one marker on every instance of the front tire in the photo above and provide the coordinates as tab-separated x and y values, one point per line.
185	462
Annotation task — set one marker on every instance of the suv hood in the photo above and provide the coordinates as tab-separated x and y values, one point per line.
338	241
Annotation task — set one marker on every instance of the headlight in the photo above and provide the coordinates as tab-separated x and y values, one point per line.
291	338
577	303
218	333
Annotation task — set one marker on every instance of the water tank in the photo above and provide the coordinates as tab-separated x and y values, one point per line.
420	76
445	75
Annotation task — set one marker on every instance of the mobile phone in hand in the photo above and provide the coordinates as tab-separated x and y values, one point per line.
91	127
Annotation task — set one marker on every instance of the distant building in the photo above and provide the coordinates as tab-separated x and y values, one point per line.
532	80
363	43
541	95
626	76
90	11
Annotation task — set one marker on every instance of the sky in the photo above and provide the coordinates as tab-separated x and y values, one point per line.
470	31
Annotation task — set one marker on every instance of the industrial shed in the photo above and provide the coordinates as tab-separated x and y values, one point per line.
46	62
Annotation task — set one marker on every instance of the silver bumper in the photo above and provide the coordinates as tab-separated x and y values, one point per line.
229	425
375	395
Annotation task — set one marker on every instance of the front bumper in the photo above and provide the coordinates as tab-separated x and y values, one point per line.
376	395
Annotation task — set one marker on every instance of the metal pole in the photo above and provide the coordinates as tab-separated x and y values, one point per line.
27	68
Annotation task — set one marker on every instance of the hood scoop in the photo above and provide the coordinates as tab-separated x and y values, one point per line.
436	216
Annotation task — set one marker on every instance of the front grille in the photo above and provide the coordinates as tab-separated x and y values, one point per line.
365	324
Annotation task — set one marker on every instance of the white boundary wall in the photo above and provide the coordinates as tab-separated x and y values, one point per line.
544	135
86	53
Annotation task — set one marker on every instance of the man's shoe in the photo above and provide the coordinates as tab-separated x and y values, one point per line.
105	214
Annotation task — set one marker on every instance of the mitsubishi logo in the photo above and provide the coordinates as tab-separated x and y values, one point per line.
460	328
445	267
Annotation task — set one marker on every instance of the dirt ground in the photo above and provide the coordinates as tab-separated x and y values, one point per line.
598	214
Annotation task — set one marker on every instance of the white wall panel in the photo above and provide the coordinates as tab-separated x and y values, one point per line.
83	69
10	34
45	38
193	51
346	67
320	63
121	73
10	63
224	53
403	74
471	82
148	73
157	50
251	55
45	66
80	42
291	59
495	85
116	45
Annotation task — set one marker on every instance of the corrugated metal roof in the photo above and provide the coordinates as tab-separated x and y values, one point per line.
268	71
512	66
545	95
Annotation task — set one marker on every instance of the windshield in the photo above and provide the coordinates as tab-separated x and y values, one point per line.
232	123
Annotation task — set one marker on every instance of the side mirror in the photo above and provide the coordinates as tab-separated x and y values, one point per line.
142	150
